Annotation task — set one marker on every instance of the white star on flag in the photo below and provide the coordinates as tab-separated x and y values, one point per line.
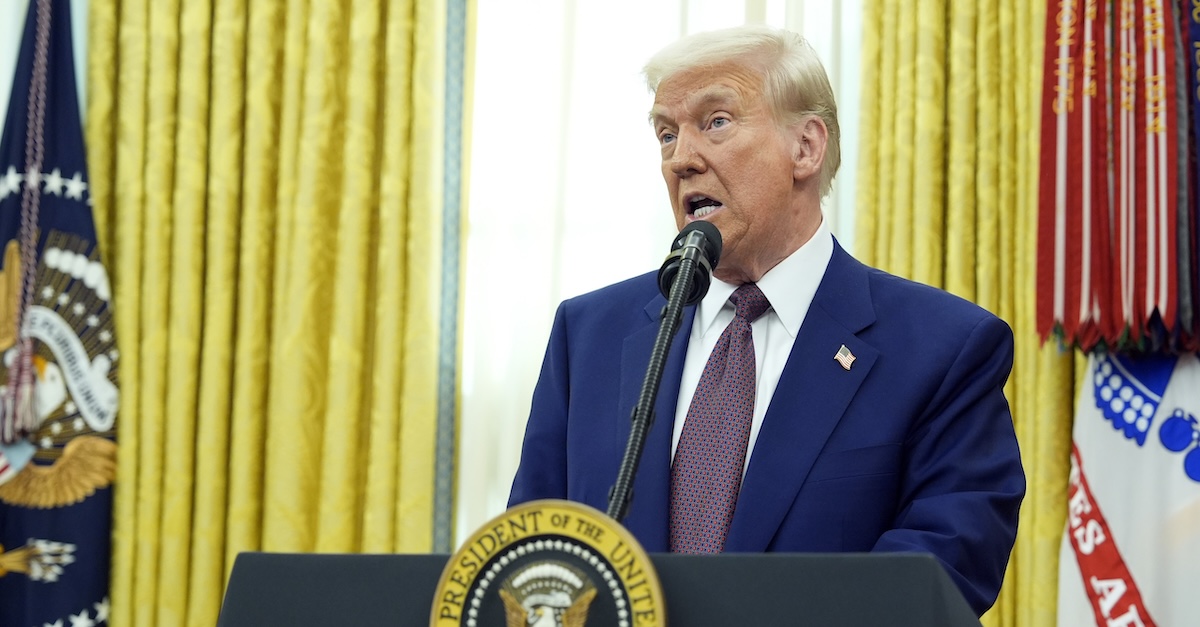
11	182
102	610
82	620
54	182
75	187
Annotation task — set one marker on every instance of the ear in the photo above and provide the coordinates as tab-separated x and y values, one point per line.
808	151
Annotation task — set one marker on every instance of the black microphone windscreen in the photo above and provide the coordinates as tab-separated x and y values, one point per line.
704	242
712	239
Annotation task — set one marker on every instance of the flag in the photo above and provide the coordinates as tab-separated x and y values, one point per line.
1075	248
1129	552
58	401
1116	214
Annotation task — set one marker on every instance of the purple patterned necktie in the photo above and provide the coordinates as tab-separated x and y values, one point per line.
707	472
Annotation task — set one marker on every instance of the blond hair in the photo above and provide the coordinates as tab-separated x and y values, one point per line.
794	81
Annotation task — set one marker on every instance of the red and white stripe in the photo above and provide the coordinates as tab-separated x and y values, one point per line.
1108	200
1109	586
1074	246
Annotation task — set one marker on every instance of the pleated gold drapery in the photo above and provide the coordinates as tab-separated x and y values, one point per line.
947	195
275	187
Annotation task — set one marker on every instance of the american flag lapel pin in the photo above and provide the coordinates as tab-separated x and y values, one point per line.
844	357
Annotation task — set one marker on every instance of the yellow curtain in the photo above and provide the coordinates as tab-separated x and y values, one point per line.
276	191
947	195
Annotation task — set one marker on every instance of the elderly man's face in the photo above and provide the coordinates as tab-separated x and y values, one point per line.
726	159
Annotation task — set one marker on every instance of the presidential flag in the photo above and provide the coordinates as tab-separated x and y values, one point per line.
58	401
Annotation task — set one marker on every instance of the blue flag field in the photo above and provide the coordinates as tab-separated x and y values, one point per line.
58	352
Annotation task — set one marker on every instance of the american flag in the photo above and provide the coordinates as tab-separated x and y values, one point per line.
845	357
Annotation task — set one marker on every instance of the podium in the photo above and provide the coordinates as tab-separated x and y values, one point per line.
852	589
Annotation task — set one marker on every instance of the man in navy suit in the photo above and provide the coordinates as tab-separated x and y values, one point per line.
879	421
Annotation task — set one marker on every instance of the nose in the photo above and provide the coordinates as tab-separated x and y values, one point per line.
686	159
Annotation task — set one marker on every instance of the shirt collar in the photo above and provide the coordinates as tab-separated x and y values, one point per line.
790	286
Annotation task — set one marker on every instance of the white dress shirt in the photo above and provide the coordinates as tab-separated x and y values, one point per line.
789	287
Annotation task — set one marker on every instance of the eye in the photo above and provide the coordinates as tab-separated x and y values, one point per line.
666	137
719	122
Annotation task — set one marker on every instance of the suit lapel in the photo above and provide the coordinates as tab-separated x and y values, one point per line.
650	508
813	393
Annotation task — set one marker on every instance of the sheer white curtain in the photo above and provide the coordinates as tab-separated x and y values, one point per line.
565	191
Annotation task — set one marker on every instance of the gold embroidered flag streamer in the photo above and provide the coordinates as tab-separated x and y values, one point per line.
1112	197
1098	268
1074	244
1147	162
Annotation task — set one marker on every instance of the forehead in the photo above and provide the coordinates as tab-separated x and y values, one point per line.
695	90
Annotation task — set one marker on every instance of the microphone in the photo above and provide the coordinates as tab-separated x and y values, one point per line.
687	271
700	241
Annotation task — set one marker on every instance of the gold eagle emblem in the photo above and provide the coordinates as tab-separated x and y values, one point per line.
547	594
73	452
87	464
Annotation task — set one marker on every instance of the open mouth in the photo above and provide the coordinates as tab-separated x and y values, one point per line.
699	206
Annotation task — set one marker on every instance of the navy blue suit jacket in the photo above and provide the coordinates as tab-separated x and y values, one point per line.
911	449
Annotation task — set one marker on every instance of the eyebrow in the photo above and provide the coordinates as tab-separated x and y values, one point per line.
708	98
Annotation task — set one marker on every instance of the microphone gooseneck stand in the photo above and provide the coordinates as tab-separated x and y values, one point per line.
643	412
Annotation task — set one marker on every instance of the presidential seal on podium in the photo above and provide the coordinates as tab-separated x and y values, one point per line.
549	563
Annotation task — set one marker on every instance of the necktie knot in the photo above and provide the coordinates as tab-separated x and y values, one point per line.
750	302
